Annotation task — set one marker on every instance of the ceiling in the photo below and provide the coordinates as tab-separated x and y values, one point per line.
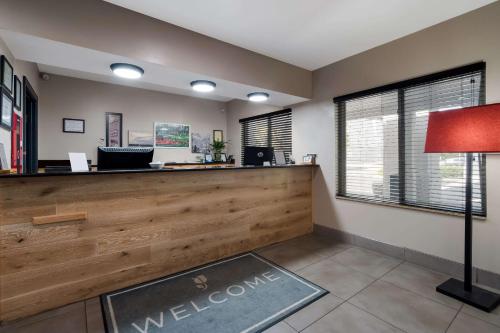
306	33
69	60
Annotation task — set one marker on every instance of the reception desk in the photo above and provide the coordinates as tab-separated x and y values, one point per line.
68	237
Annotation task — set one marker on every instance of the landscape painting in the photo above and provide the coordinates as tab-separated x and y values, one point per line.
169	135
140	139
200	143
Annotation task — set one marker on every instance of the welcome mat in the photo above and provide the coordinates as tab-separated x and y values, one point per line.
246	293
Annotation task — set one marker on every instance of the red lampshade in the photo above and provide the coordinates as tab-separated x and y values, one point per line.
469	130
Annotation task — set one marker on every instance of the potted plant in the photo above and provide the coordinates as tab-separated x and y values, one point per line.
217	147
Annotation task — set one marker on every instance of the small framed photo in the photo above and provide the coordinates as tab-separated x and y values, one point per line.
223	157
7	107
7	74
307	159
71	125
18	93
218	135
208	158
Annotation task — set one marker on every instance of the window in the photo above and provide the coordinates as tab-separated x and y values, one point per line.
268	130
381	136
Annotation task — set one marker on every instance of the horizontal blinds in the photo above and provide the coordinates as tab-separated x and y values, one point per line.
438	180
371	154
268	130
381	139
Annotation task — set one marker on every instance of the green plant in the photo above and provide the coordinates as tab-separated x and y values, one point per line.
217	147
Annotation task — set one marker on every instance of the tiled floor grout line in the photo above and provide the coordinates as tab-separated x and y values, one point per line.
364	310
343	301
347	300
424	296
322	258
455	317
287	324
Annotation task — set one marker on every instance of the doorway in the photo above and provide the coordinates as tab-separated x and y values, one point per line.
30	116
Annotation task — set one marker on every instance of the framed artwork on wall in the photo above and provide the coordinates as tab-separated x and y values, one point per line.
7	107
200	143
6	74
170	135
18	93
218	135
71	125
140	139
17	142
114	128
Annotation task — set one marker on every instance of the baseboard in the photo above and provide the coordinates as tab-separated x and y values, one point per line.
435	263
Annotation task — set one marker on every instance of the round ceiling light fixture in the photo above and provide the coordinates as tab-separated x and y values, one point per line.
127	71
203	85
258	97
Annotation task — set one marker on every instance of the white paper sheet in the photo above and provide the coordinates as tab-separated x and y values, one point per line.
78	162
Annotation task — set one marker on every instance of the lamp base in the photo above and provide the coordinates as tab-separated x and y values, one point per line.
477	297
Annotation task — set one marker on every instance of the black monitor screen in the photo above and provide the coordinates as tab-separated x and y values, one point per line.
123	158
257	155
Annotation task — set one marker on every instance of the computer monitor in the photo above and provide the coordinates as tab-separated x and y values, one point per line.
257	155
124	158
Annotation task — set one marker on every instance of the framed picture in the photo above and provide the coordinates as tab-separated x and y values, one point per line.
200	143
223	157
140	139
307	159
7	74
114	128
7	107
3	158
71	125
208	158
218	135
170	135
18	93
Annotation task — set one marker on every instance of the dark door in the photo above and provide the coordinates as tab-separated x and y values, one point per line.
30	113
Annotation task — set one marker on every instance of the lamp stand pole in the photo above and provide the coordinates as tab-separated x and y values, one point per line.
465	291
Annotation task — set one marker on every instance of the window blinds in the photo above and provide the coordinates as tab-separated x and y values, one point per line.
268	130
381	137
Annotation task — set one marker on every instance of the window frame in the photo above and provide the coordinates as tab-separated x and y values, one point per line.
266	116
400	87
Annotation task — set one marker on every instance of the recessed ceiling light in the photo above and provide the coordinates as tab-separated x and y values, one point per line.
127	71
203	85
258	97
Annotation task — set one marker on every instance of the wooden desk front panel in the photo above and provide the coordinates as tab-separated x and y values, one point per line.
137	227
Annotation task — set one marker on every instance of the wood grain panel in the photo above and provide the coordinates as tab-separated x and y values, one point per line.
59	218
139	227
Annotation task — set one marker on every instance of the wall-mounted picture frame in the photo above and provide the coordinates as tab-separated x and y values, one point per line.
171	135
6	74
18	93
71	125
114	129
200	143
218	135
6	107
140	139
4	164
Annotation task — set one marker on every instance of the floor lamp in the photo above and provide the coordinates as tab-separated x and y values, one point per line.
469	130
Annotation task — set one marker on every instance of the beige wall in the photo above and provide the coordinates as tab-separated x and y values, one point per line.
101	26
463	40
21	68
64	97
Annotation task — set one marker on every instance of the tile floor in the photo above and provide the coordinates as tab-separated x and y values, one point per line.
369	292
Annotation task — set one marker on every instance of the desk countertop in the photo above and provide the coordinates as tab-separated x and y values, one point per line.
165	169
